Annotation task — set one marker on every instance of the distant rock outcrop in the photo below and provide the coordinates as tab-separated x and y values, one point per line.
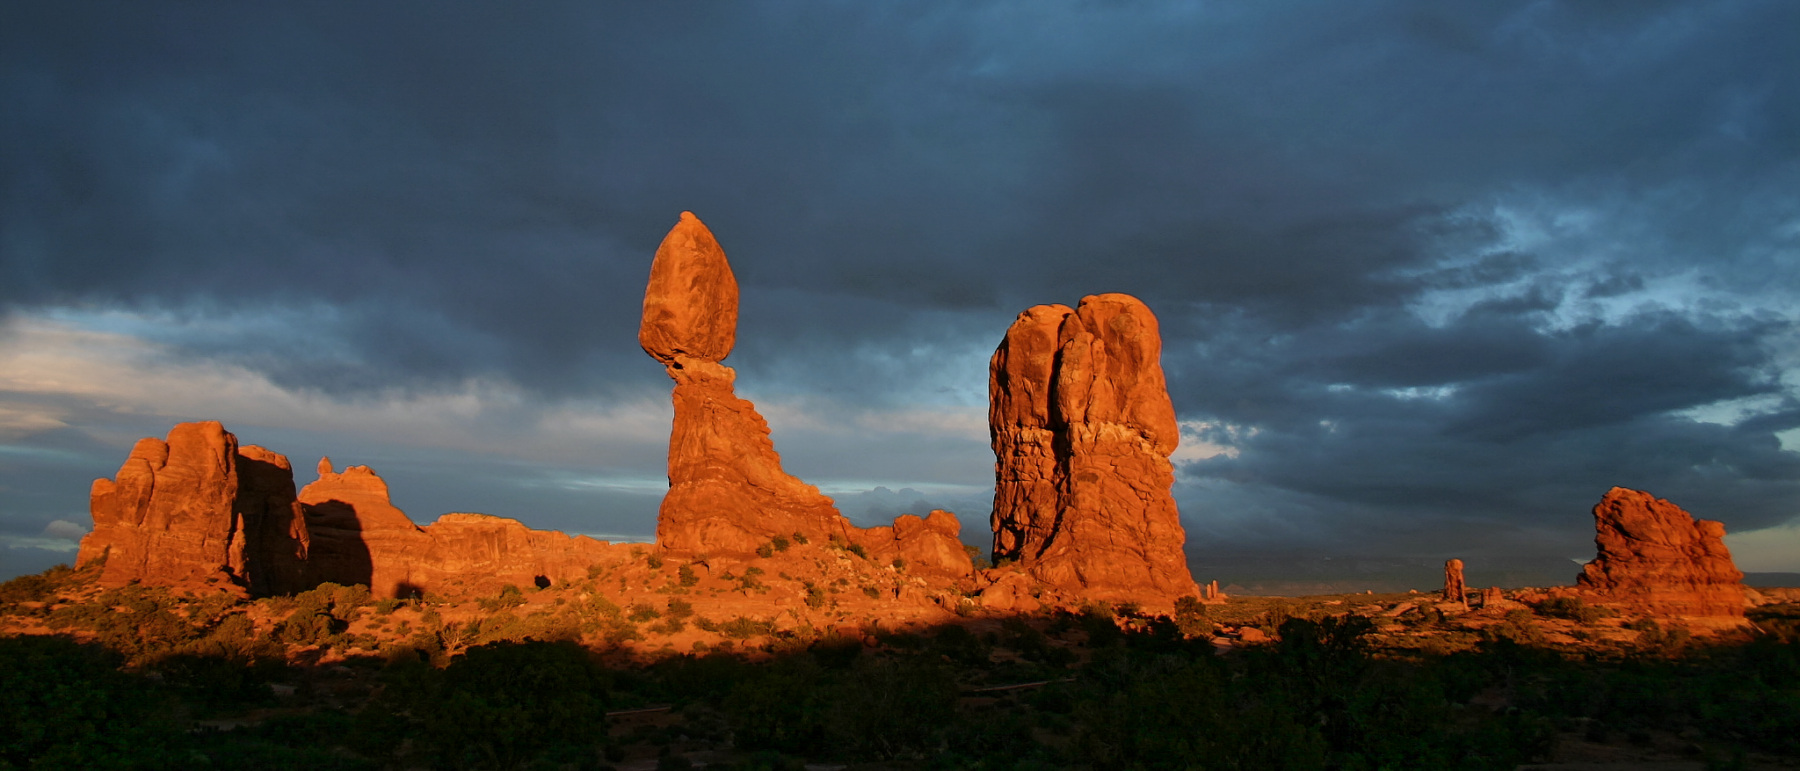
930	544
359	537
727	492
1454	588
1655	558
197	511
1082	429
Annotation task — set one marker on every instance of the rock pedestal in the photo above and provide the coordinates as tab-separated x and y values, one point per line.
1082	429
1654	558
727	492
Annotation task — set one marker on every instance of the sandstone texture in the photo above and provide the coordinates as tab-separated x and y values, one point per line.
360	537
691	305
1082	429
195	511
930	544
727	491
1454	588
1655	558
198	512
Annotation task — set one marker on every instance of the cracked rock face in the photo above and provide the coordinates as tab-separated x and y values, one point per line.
194	511
1082	429
1655	558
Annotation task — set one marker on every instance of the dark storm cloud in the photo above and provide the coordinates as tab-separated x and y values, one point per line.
1443	259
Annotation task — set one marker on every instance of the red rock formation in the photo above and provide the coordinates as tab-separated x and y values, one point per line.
276	551
727	492
1454	588
691	305
359	537
1211	595
928	545
1655	558
196	511
1082	429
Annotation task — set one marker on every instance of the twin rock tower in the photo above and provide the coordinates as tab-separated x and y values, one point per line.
1079	417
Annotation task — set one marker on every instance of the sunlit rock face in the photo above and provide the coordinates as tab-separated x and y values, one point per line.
360	537
1455	590
929	545
1655	558
196	510
1082	429
691	305
727	492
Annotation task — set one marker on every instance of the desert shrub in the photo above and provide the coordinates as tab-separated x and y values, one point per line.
800	538
680	609
668	626
309	625
510	596
765	550
1190	616
641	612
780	543
1571	608
67	705
1166	711
744	628
959	645
890	708
139	622
815	596
686	576
503	705
655	561
858	550
780	706
37	588
217	683
1518	627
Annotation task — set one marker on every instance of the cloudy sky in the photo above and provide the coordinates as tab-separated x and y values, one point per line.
1432	278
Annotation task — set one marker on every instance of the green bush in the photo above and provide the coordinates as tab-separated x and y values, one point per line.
1571	608
503	705
67	705
37	588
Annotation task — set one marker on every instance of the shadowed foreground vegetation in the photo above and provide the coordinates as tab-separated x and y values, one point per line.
158	682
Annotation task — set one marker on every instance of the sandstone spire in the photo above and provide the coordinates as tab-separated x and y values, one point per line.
1454	588
1082	429
197	510
1655	558
727	492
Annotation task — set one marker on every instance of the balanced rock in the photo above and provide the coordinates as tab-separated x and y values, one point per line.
691	305
196	511
1454	588
1082	429
1655	558
727	491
